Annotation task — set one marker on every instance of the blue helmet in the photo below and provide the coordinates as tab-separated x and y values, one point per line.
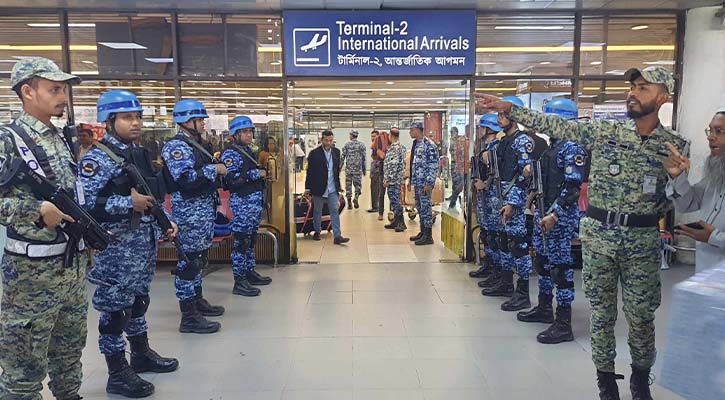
240	122
515	100
187	109
563	108
116	101
490	121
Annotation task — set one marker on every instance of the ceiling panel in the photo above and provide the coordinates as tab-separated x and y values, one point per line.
277	5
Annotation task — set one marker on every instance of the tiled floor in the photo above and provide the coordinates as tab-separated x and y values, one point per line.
369	241
367	331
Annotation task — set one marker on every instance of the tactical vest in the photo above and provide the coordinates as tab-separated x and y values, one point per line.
508	158
551	175
240	186
121	185
38	160
201	158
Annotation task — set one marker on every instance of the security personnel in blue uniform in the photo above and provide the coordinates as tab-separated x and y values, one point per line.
191	176
245	181
487	204
514	156
423	172
123	272
562	170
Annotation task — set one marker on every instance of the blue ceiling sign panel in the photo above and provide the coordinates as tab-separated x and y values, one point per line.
379	43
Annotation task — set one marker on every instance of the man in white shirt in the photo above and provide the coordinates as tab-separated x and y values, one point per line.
706	196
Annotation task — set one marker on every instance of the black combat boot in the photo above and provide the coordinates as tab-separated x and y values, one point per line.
426	239
639	384
356	203
503	288
418	236
492	279
401	227
254	278
560	331
392	223
193	322
543	312
520	299
123	381
484	271
204	307
144	359
242	287
349	203
607	383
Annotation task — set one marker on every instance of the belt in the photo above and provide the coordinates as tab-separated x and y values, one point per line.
611	218
37	250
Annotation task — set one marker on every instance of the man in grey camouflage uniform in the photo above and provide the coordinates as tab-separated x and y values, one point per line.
620	234
353	157
393	179
44	308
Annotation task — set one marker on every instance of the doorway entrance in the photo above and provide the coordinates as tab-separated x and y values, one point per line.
363	106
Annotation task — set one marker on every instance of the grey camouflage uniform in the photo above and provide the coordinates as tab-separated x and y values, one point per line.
626	177
353	158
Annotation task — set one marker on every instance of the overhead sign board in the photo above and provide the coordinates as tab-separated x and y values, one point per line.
379	43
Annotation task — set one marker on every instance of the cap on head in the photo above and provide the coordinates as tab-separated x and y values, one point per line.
240	122
116	101
562	107
354	133
490	121
187	109
515	100
29	67
417	125
653	74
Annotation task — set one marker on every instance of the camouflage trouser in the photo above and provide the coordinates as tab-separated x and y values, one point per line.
517	243
247	217
630	256
42	326
394	197
350	180
556	258
423	204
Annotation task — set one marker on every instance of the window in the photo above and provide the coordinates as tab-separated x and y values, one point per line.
525	45
115	44
611	45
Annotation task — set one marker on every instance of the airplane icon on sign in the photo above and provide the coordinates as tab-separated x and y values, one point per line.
314	43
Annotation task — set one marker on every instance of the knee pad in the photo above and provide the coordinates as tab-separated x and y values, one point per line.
483	237
193	267
540	262
253	242
140	305
518	247
491	241
116	323
503	242
558	274
242	242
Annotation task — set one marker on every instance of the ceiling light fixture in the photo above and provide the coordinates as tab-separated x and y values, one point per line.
639	27
123	46
45	47
159	60
57	25
529	27
87	62
660	62
595	63
552	49
486	63
545	62
269	48
390	83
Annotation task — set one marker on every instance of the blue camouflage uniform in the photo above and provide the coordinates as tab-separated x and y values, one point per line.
560	198
246	203
423	172
194	214
123	272
515	227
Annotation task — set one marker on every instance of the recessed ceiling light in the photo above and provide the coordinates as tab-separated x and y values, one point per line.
269	31
639	27
529	27
545	62
486	63
123	46
57	25
269	19
596	63
270	38
159	60
87	62
439	102
390	83
660	62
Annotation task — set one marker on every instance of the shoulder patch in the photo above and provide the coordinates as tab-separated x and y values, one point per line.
228	162
177	154
89	168
529	147
579	160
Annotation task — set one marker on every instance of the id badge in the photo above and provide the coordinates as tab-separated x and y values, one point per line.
80	193
650	184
